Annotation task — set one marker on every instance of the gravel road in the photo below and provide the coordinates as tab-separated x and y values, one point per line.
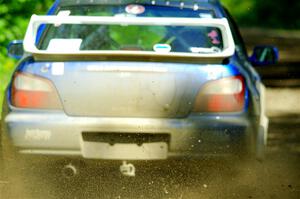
277	177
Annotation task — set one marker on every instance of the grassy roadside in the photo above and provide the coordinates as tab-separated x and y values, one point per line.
6	68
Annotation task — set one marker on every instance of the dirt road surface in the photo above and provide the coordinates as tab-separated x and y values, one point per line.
277	177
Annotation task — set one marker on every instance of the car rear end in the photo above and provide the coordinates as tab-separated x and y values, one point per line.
175	105
129	108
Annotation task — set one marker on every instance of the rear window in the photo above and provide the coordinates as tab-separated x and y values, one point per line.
190	39
135	37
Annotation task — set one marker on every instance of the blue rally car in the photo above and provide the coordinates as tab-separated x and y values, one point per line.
128	80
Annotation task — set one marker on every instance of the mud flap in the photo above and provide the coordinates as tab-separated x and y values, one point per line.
262	133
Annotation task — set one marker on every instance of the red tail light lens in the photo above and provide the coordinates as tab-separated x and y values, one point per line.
29	91
223	95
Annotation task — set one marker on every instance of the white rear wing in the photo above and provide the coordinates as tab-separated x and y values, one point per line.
36	21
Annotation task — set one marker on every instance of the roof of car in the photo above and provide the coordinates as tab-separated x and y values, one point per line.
214	5
182	3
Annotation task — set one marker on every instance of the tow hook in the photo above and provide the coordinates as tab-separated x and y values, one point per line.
127	169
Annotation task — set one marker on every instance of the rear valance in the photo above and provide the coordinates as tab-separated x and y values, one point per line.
207	55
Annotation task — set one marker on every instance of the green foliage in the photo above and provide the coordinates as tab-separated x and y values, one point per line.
277	14
5	74
14	17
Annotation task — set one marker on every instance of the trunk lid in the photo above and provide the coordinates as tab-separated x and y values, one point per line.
128	89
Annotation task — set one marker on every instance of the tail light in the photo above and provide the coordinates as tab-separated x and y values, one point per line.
223	95
29	91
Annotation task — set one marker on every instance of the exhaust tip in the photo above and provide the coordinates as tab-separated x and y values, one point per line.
69	171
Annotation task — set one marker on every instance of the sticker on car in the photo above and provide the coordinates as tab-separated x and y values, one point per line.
58	68
37	135
162	48
135	9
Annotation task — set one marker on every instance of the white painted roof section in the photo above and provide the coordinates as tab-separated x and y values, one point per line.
36	21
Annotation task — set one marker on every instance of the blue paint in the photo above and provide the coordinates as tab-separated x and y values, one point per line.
42	28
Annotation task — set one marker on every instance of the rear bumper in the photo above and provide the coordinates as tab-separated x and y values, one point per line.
55	133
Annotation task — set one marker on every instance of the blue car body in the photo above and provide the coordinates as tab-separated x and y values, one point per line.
90	123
